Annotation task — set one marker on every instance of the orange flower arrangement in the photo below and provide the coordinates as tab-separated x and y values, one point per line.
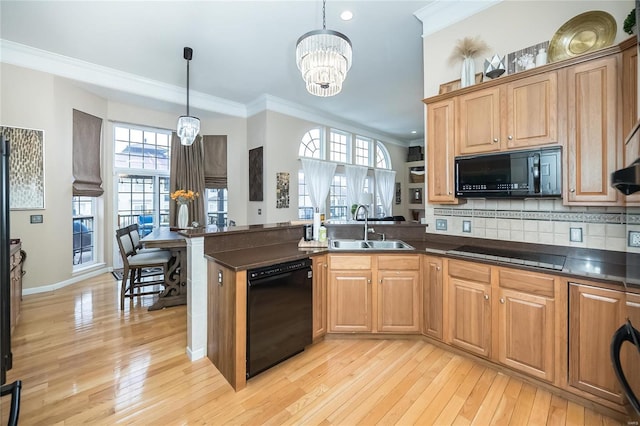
183	196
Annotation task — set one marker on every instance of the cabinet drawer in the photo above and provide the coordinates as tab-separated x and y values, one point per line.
470	271
527	282
403	263
342	261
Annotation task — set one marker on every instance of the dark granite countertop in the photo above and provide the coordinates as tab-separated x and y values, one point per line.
617	268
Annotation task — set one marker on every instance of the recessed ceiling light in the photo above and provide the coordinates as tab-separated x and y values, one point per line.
347	15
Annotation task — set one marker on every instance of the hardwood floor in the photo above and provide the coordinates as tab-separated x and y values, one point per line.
83	361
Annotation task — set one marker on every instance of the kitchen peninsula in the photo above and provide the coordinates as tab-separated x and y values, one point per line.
507	299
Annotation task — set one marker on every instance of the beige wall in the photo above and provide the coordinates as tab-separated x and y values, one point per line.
507	27
37	100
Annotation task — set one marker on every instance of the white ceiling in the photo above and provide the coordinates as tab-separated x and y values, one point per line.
243	50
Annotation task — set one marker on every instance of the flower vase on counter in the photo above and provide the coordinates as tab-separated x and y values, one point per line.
183	216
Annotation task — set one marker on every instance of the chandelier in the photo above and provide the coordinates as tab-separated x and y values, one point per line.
323	57
188	126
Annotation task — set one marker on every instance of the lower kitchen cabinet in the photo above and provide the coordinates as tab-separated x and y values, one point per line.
398	294
350	294
469	294
432	301
320	269
526	322
595	314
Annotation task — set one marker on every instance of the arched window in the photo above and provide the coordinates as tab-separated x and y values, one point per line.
310	145
383	160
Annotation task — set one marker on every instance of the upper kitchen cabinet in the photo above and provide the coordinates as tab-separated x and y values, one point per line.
515	115
593	149
629	90
440	152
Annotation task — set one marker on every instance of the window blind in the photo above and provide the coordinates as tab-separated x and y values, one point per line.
87	130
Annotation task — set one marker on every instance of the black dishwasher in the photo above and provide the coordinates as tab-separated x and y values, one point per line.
279	313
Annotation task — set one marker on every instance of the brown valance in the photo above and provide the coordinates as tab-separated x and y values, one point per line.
215	161
87	131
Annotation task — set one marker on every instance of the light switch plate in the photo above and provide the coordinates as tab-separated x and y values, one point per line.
441	224
634	238
466	226
575	235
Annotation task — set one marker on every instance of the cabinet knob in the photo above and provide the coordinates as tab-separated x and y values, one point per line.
502	300
510	137
369	281
486	297
572	190
437	268
495	140
326	265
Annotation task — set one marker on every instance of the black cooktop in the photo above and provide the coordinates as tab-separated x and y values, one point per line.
527	258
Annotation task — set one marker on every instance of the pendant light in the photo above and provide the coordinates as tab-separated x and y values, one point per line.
323	57
188	126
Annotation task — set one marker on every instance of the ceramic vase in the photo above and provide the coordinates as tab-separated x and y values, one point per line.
183	216
468	74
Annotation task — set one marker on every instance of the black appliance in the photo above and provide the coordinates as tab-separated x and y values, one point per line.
517	174
279	313
626	333
627	180
6	358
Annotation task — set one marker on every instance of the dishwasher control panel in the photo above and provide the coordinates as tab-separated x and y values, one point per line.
280	268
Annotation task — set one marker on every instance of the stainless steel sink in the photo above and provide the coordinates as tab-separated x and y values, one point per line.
369	245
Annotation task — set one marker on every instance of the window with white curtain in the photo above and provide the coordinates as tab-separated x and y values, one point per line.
338	147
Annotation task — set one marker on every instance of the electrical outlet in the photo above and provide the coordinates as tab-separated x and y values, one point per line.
466	226
441	224
575	235
634	238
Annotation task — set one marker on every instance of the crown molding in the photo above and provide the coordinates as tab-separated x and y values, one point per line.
86	72
268	102
439	14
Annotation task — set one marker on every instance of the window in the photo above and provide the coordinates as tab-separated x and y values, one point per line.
310	145
83	235
365	152
142	161
339	146
217	207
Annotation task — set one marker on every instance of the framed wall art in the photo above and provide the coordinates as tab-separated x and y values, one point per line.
26	167
282	190
517	61
255	174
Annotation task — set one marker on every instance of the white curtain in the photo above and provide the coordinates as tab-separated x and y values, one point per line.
385	181
355	183
318	175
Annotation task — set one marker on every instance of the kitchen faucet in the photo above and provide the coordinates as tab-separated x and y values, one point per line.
366	219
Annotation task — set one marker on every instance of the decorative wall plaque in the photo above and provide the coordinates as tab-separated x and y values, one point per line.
255	174
26	168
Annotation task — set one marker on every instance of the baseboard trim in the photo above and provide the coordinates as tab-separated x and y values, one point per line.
89	273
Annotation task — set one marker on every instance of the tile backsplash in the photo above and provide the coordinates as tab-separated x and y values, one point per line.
539	221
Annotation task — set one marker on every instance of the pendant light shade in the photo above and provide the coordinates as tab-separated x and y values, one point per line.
188	126
323	57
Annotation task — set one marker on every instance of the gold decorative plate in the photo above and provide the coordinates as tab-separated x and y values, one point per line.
583	33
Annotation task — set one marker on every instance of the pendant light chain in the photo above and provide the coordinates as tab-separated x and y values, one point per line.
324	16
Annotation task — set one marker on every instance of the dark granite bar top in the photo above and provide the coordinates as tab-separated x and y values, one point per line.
616	268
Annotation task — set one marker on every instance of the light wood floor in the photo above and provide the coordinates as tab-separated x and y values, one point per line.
82	361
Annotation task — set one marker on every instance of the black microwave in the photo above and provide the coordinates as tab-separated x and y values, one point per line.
517	174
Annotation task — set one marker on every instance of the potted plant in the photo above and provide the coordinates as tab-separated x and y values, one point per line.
629	24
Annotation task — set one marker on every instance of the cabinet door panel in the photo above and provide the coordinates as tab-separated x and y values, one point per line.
630	356
440	152
480	122
432	297
319	296
595	314
470	316
526	333
399	301
532	110
350	301
593	148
